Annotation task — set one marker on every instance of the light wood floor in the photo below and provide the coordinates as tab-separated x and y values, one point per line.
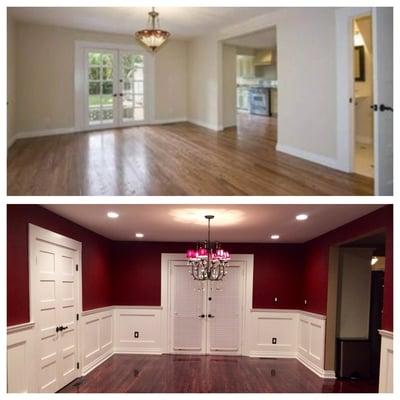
173	159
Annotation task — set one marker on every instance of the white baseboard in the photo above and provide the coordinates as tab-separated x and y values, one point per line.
271	354
213	127
11	140
94	364
168	121
326	374
154	351
44	132
306	155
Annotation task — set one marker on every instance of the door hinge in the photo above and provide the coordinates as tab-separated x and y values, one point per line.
76	267
77	317
77	365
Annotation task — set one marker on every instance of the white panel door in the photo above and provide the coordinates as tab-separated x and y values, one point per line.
206	317
55	305
224	316
188	321
383	98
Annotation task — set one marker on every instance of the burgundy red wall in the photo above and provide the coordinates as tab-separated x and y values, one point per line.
138	265
129	273
96	278
315	278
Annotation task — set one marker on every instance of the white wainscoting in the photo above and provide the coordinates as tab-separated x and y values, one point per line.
144	320
268	324
97	337
311	343
386	366
20	353
298	334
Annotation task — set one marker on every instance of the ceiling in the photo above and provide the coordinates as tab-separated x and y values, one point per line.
232	223
182	22
257	40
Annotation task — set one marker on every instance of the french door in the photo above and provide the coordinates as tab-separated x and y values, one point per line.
54	292
206	317
114	88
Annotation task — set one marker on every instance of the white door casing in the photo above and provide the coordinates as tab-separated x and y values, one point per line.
55	301
81	84
382	31
223	334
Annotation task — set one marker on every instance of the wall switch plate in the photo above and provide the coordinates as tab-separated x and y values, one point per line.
136	334
274	340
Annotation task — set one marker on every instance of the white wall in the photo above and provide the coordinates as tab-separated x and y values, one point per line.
203	82
11	80
229	86
45	75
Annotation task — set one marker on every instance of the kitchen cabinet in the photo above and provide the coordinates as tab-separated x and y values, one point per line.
264	57
242	98
245	66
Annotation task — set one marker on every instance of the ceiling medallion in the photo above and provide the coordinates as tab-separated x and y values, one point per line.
209	261
153	37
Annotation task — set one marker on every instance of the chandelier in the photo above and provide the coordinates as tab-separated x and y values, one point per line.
209	261
153	37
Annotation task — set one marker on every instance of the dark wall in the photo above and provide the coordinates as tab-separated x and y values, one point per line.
96	271
129	273
315	278
138	265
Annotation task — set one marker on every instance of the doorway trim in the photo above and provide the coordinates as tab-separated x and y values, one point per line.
79	82
345	85
52	237
167	258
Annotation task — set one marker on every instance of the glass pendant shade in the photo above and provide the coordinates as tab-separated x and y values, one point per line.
152	37
209	261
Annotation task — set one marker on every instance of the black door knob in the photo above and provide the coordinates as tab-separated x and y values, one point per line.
211	316
382	108
57	328
201	316
63	328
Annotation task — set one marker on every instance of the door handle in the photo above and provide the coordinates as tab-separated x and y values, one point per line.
211	316
373	107
57	328
62	328
202	316
382	108
115	95
121	94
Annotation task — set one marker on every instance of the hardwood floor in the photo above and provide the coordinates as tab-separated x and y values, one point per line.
125	373
173	159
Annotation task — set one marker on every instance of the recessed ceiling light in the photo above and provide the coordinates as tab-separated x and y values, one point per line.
112	214
301	217
139	235
275	237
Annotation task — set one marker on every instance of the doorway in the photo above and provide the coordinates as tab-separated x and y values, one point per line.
363	96
206	317
355	303
55	304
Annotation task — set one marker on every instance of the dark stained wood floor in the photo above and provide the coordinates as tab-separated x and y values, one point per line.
208	374
173	159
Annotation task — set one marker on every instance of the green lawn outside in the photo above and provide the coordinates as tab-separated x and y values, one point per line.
95	100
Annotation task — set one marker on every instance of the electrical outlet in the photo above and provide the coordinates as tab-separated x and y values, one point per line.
136	334
274	340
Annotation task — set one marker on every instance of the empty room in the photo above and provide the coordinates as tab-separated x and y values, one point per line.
199	101
199	298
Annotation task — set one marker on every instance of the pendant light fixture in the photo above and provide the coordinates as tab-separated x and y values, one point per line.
153	37
209	261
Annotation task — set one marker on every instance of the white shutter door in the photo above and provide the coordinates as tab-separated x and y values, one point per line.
224	329
187	305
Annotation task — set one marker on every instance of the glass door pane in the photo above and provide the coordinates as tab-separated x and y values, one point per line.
101	81
132	83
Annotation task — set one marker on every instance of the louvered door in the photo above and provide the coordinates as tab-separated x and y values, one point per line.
206	317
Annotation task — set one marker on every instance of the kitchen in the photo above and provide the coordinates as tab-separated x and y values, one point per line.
256	73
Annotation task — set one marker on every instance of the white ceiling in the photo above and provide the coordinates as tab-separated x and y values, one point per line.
232	223
182	22
257	40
